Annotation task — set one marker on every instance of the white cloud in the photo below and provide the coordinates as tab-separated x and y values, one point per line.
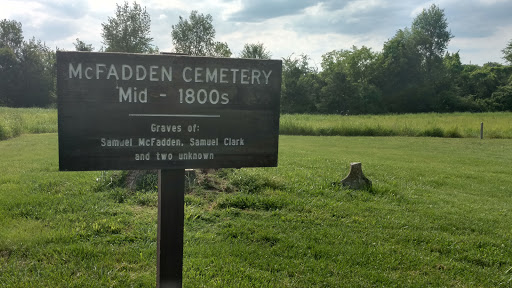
484	49
481	27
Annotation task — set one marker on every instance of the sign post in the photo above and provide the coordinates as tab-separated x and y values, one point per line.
171	187
119	111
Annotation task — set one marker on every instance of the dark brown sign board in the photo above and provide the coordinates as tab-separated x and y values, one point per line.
119	111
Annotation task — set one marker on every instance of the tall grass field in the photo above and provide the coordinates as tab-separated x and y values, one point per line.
439	215
16	121
453	125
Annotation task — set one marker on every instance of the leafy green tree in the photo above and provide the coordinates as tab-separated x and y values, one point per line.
27	69
11	42
430	37
221	50
196	36
502	97
430	29
82	46
485	88
336	94
300	85
413	75
38	70
349	76
448	91
10	80
507	52
255	51
400	73
11	35
128	31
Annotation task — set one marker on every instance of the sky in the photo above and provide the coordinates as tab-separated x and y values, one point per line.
287	28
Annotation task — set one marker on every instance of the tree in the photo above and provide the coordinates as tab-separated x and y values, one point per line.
27	69
507	52
256	51
502	97
81	46
221	50
431	36
400	72
300	85
349	78
128	31
11	43
10	81
196	36
38	74
11	35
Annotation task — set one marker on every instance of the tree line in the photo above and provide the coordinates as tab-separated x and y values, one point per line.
413	72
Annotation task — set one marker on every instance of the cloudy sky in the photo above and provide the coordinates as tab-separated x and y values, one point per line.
482	28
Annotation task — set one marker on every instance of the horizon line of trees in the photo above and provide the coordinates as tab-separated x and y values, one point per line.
413	73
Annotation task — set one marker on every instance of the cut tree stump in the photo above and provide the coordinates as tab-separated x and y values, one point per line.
355	179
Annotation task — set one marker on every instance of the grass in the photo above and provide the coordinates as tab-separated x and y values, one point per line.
453	125
17	121
438	215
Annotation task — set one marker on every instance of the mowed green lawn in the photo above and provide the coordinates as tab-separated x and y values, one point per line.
439	215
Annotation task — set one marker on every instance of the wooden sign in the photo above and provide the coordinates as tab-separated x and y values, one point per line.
121	111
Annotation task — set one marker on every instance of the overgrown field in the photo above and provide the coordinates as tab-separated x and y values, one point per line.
452	125
16	121
439	215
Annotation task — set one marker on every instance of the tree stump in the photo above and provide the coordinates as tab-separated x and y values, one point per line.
355	179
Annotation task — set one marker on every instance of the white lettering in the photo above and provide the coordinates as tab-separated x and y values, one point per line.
223	75
87	70
165	128
267	75
127	72
163	142
152	73
142	156
166	73
198	72
234	74
204	142
163	156
143	96
244	76
126	96
112	72
75	72
255	76
139	70
234	142
195	156
98	71
184	77
211	76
